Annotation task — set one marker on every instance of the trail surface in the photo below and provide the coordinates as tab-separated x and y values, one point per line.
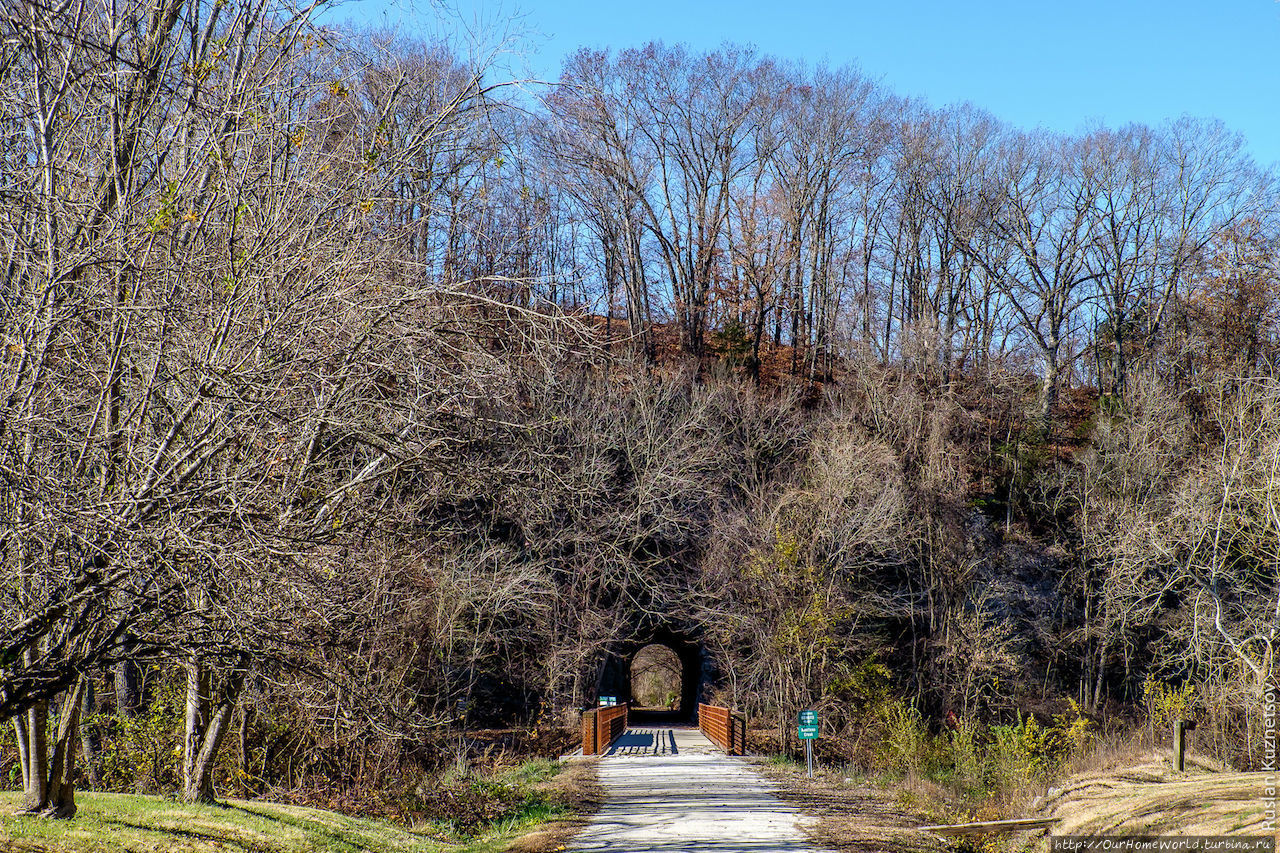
669	790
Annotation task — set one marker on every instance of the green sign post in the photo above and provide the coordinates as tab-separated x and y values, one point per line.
807	731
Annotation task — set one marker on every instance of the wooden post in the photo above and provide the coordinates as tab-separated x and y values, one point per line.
590	744
1180	729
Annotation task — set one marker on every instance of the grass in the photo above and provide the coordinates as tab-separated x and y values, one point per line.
114	823
1147	798
127	823
530	773
853	812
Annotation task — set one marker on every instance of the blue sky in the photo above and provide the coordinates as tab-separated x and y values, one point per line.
1061	65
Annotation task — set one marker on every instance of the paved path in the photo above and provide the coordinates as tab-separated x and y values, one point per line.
672	791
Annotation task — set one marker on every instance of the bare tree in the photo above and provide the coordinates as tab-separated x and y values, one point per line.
1163	197
198	206
1042	206
694	122
590	143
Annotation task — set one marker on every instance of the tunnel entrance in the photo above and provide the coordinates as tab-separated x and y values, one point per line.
655	680
660	676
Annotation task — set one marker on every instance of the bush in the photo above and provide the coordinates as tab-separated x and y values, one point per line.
1016	756
906	745
1071	734
982	766
10	771
967	757
142	754
471	805
1166	704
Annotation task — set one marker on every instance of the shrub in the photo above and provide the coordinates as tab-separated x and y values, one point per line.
1072	732
1002	763
10	771
966	756
1016	755
906	745
143	753
1166	704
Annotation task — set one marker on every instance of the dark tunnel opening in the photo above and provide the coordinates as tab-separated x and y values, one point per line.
661	678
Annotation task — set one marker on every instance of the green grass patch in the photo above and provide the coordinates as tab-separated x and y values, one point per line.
510	798
126	823
531	772
779	759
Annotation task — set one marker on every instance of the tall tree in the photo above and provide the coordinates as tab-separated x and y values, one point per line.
1041	205
694	121
198	198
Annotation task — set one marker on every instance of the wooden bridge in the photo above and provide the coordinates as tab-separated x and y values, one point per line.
605	731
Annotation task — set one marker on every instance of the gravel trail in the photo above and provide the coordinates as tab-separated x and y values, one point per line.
672	791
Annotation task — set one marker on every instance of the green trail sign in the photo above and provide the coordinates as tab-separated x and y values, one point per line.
807	731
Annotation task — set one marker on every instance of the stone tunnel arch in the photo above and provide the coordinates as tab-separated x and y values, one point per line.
695	673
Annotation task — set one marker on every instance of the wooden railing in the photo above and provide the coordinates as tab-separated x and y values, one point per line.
724	728
601	727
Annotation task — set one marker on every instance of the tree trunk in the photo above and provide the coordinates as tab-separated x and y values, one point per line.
33	740
197	720
1049	392
1118	368
246	720
90	737
61	789
128	689
20	735
206	726
48	786
1096	702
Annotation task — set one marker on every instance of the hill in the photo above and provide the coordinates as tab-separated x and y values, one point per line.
1148	798
125	823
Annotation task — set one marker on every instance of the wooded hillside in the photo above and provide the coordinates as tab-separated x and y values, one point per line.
349	403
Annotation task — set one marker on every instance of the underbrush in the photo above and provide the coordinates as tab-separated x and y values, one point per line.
462	787
983	770
451	804
472	804
963	770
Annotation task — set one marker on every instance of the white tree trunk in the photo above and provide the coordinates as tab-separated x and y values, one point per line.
33	735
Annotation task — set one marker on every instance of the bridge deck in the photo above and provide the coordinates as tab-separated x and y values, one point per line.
661	741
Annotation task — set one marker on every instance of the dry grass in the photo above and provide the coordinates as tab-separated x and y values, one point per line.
853	814
1148	798
1120	788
